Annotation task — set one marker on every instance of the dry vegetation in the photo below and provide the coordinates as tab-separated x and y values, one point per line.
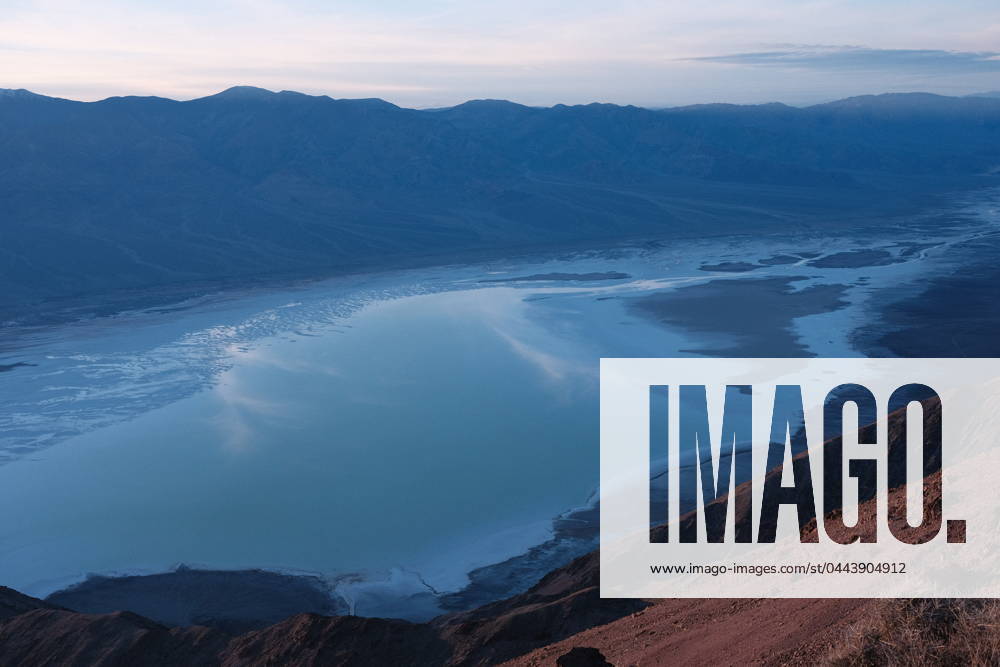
923	632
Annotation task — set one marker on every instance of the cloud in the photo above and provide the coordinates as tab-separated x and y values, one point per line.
861	58
440	52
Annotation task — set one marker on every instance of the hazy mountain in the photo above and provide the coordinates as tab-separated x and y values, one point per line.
144	191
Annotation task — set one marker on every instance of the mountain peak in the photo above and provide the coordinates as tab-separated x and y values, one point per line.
497	110
17	92
919	103
489	104
245	93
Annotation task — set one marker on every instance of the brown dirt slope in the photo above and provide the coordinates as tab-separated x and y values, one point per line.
716	632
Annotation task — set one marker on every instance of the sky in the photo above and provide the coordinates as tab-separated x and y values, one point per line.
433	53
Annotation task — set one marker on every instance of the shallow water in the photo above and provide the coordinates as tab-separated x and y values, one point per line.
406	426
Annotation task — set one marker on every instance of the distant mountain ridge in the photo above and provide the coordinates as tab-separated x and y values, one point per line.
140	192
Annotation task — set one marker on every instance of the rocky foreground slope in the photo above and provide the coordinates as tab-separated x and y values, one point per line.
562	612
566	602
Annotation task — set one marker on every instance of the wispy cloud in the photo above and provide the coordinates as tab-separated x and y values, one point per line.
438	52
862	58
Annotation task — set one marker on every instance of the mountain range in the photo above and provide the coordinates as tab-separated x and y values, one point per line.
139	193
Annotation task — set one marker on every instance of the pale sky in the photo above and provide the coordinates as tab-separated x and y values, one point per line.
441	52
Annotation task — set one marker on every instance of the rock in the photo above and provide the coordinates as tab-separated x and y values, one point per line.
583	656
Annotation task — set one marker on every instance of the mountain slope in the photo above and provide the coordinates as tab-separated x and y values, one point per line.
147	192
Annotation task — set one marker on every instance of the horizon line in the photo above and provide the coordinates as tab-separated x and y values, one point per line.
249	90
